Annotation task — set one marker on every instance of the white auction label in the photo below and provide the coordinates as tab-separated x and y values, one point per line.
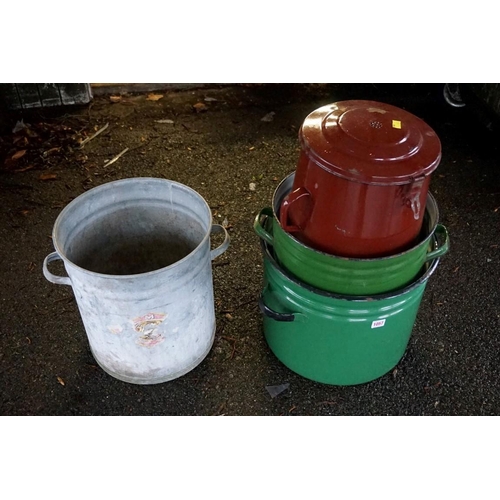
378	323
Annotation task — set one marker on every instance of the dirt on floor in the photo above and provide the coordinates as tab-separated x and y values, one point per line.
233	145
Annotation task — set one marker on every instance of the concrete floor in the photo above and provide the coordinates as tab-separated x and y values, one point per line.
452	364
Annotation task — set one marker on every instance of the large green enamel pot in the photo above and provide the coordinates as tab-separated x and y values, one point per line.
337	339
346	275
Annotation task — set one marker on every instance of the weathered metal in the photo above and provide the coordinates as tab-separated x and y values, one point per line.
44	95
336	339
137	254
345	275
361	180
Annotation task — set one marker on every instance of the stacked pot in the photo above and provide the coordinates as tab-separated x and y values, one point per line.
350	241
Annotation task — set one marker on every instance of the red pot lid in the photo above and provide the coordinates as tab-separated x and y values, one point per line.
370	142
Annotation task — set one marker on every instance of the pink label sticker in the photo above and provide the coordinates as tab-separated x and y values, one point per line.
378	323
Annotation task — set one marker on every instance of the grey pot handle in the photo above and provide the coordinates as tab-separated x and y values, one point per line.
445	245
58	280
217	228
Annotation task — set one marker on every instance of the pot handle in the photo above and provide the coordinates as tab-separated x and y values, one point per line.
300	193
443	249
270	313
259	228
217	228
58	280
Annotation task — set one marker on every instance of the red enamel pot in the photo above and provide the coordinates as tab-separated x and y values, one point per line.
362	178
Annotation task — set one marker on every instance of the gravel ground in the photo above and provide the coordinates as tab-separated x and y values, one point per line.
218	144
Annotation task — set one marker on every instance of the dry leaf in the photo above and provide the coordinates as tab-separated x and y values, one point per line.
60	380
199	107
19	154
154	97
115	98
25	169
48	177
50	151
20	138
31	133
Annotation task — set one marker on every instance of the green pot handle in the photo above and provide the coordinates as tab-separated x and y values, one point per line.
445	246
259	228
270	313
286	317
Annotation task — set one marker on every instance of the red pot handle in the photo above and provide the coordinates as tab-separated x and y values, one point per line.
300	193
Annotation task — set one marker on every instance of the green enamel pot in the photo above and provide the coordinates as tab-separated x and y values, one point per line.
344	275
337	339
